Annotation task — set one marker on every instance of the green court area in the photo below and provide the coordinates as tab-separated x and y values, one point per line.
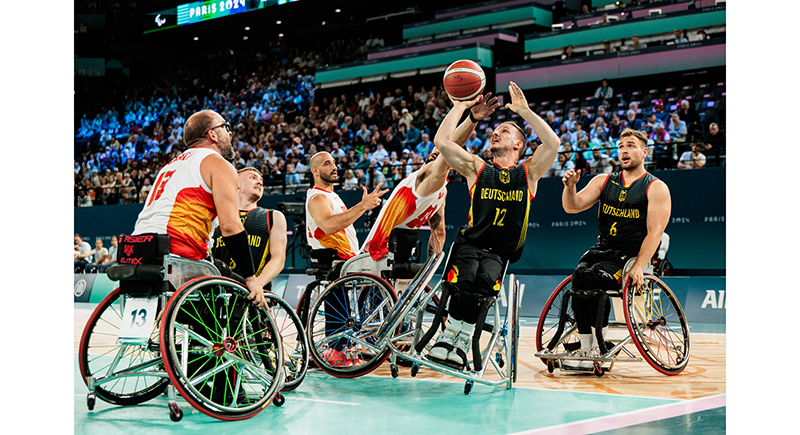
377	405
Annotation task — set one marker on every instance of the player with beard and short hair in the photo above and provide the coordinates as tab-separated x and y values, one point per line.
634	209
501	193
420	197
266	230
329	225
192	190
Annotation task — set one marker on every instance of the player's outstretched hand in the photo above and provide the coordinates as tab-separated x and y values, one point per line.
571	177
518	102
372	200
485	107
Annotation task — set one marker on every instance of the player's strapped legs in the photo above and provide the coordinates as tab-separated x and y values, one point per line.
597	271
472	275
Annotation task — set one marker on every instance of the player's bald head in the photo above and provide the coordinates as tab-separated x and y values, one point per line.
317	159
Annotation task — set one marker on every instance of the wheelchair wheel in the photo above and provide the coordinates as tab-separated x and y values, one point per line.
295	342
513	329
223	355
657	325
307	299
547	328
343	325
101	357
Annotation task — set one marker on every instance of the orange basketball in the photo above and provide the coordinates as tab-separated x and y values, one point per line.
464	80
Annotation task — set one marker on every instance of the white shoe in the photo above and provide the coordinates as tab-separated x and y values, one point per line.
459	353
443	345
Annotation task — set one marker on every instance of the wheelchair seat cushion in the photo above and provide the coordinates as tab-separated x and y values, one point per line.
135	272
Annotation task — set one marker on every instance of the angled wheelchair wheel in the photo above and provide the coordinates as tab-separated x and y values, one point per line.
547	330
513	328
344	322
123	374
657	325
307	299
224	356
293	337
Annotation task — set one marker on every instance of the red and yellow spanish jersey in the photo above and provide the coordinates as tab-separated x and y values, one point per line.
344	242
404	209
180	204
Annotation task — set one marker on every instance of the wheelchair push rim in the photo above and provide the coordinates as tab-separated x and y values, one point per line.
352	336
657	325
229	364
293	337
547	326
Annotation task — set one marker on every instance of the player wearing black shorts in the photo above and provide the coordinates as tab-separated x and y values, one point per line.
501	193
634	209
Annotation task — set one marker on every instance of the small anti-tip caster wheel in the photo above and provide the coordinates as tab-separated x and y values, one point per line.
394	370
500	361
278	400
551	366
468	387
175	413
414	370
90	399
598	370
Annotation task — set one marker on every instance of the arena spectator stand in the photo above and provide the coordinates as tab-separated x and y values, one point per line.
126	129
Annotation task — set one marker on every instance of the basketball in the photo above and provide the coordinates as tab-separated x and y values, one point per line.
464	80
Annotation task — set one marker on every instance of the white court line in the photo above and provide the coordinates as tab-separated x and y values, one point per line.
625	419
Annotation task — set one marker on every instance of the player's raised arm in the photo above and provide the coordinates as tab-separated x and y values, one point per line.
574	201
545	155
457	157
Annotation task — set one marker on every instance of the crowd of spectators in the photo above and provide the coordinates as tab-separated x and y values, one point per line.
268	96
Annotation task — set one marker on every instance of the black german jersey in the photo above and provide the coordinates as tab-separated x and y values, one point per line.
257	222
622	215
500	206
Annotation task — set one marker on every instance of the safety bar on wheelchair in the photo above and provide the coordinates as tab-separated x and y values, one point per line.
475	375
417	284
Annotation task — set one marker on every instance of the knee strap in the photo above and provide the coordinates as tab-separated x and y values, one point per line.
437	319
476	336
601	316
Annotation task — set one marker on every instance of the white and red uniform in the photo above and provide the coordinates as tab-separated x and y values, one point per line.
180	204
404	209
344	242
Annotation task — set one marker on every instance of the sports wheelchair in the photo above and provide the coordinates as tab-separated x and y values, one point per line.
370	323
204	341
649	316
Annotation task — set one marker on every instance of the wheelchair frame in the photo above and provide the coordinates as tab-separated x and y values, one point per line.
642	315
168	362
395	331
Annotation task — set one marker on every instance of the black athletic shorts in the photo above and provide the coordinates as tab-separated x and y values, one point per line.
474	270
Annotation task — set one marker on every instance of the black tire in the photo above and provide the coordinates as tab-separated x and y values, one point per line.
356	336
658	325
547	327
98	348
233	363
293	337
